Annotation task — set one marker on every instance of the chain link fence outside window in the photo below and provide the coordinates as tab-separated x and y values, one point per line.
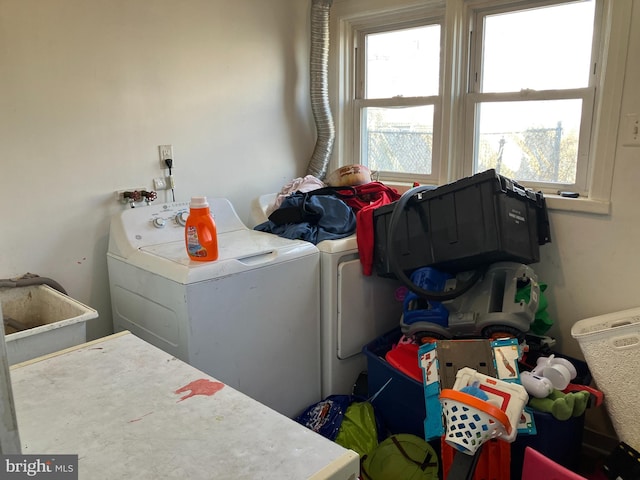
393	150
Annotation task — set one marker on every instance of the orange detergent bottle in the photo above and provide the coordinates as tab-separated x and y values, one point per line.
200	234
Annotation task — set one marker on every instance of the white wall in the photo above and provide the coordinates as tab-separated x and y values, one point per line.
88	91
590	266
593	263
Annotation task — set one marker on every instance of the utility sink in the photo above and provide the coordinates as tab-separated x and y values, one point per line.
39	320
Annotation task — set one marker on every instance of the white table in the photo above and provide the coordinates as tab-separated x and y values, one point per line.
113	402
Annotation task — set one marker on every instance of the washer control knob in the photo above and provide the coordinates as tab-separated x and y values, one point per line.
159	222
181	218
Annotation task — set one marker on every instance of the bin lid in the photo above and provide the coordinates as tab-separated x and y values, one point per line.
608	323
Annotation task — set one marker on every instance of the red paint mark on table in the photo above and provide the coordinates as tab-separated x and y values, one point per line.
202	386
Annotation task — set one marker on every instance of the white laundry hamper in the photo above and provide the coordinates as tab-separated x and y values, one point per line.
611	347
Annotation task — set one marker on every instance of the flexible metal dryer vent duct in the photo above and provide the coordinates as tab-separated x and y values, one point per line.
320	89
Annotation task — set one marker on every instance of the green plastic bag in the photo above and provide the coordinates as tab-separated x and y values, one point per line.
403	456
358	430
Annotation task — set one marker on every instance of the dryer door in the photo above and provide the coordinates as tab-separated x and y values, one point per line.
367	308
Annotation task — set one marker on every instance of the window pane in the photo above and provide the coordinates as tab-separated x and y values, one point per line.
398	139
529	141
403	63
539	49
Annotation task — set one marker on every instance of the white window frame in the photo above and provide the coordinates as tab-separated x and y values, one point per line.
455	149
360	103
475	96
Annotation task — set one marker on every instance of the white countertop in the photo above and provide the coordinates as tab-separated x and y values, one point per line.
115	403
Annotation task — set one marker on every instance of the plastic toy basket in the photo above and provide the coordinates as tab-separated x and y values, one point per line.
470	421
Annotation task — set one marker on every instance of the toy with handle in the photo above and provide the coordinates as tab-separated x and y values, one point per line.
470	423
473	419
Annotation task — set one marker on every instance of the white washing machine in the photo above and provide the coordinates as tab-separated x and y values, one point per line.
250	318
354	309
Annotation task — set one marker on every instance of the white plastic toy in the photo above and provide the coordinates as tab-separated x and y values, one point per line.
536	386
559	371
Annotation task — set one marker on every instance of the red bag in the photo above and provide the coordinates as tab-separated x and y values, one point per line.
368	197
364	195
363	199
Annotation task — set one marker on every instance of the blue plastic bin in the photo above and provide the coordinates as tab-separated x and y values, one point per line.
401	403
561	441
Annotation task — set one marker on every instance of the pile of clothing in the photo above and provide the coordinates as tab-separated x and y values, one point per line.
307	209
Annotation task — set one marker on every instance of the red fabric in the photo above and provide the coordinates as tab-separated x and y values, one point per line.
368	197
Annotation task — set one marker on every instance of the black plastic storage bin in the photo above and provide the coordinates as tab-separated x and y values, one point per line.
460	226
401	403
623	463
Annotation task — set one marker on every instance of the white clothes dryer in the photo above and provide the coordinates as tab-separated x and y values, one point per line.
354	309
250	319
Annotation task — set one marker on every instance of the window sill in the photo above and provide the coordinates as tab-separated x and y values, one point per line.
584	205
554	202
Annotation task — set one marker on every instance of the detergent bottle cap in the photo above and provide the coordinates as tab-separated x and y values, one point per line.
198	202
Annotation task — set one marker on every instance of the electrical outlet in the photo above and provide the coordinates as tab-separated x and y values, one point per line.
160	183
166	152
